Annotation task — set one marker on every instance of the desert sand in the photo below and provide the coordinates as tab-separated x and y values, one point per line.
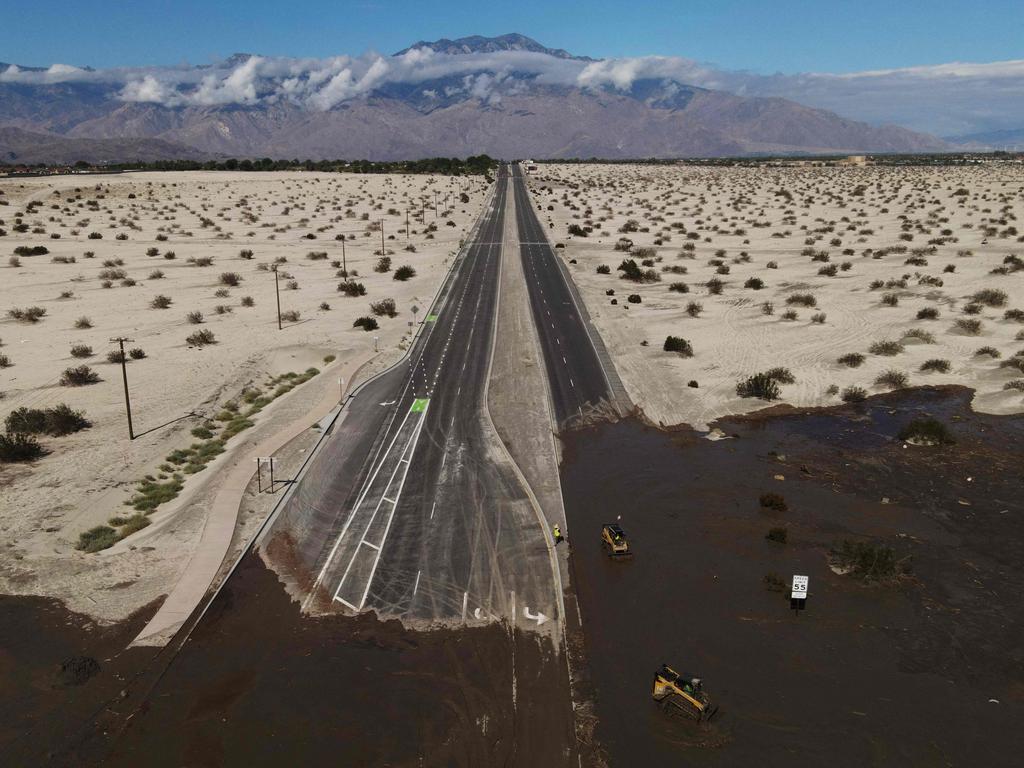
928	258
115	243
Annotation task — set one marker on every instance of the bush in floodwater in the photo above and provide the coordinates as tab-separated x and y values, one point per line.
927	430
773	501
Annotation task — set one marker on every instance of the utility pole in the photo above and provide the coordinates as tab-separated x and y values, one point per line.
344	264
277	290
383	251
435	203
259	475
406	223
124	375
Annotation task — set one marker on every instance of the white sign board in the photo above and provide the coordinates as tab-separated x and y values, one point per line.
799	588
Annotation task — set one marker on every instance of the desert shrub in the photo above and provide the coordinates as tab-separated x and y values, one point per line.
632	271
767	308
383	264
201	338
892	379
116	356
577	230
774	501
245	254
634	298
802	299
27	315
404	272
79	376
350	288
678	344
31	250
870	562
890	299
919	334
317	255
937	365
98	538
886	348
230	278
927	430
383	307
199	261
83	323
754	283
790	314
989	351
928	313
854	394
19	447
781	375
715	286
761	386
57	421
778	535
290	316
694	308
169	255
160	301
366	323
156	274
1016	363
819	318
5	361
829	270
1016	384
195	318
972	309
1016	315
247	301
968	325
604	269
679	287
990	297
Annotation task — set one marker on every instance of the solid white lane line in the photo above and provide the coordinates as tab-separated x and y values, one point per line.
416	586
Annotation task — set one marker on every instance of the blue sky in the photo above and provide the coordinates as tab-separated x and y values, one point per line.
763	36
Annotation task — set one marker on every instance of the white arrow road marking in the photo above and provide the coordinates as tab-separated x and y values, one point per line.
539	617
392	402
476	614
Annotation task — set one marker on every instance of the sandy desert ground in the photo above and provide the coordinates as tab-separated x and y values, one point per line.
207	243
794	268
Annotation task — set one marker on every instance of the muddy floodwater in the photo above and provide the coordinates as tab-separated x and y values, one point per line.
925	670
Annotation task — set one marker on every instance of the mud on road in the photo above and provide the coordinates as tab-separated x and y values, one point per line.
925	670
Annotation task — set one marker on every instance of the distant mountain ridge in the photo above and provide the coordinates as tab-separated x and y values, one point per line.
506	96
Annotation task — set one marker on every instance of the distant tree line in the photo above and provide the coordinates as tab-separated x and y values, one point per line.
938	159
475	165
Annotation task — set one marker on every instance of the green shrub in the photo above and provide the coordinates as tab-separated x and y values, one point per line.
781	375
201	338
95	539
404	272
852	360
802	299
350	288
969	326
937	365
886	348
892	379
990	297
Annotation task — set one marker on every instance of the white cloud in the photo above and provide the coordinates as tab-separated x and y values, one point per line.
957	97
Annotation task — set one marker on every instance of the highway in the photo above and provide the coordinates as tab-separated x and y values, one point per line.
580	381
433	525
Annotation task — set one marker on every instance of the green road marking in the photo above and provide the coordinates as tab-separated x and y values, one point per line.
431	318
419	405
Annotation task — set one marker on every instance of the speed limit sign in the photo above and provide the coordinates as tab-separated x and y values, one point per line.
799	588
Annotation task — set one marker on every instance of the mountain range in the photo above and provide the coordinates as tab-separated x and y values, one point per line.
506	96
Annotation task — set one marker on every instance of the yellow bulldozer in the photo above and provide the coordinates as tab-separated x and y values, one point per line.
613	538
682	695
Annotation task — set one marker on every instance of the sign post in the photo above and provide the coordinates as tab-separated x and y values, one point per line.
798	595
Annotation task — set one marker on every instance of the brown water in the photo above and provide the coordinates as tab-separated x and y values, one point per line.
866	675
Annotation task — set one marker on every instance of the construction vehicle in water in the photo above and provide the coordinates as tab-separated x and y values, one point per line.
615	543
682	695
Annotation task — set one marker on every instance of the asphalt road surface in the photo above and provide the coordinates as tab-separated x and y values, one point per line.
414	510
577	379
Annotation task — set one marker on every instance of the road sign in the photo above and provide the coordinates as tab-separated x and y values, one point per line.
799	588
